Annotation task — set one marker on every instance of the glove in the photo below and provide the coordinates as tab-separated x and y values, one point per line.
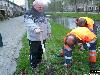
37	30
88	45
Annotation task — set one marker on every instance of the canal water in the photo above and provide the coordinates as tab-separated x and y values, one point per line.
70	23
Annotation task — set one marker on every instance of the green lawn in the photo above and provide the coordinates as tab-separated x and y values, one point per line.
76	15
53	45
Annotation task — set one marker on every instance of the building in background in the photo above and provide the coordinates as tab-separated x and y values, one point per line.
9	9
82	6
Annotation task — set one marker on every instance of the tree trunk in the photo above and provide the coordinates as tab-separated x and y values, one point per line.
86	6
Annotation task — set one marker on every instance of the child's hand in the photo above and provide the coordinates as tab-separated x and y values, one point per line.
67	65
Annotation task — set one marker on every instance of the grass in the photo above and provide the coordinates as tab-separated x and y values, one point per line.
76	15
53	45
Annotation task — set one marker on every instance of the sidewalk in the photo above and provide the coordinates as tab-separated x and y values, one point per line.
12	31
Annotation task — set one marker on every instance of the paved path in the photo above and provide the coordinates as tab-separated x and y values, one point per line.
12	31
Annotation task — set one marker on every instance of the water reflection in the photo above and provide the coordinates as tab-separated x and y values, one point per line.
67	22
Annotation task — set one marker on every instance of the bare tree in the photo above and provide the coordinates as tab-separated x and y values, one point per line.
72	3
55	6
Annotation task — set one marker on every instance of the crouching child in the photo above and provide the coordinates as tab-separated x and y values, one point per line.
80	35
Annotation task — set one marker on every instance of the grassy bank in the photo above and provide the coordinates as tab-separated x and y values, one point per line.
76	15
80	65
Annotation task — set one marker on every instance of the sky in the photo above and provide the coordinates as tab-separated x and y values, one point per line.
22	2
19	2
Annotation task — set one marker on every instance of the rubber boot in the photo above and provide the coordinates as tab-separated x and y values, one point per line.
92	65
